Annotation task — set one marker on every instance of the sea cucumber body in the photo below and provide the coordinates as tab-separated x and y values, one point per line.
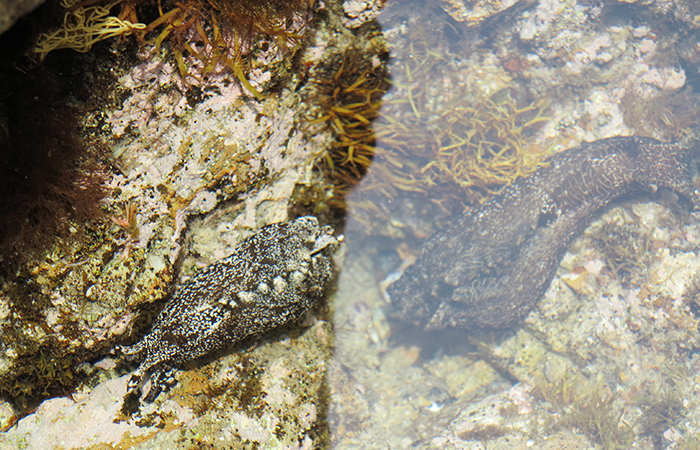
489	267
273	278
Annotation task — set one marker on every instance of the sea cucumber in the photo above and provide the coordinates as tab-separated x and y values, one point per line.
273	278
489	267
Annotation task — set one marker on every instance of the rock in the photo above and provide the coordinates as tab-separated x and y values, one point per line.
475	12
11	10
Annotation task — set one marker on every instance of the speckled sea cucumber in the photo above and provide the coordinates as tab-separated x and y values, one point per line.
273	278
489	267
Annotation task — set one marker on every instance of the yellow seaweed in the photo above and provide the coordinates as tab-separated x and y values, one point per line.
90	21
83	26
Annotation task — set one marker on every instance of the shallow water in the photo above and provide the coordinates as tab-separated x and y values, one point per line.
427	110
470	109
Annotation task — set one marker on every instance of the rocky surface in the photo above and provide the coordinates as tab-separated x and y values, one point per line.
192	173
11	10
475	12
614	340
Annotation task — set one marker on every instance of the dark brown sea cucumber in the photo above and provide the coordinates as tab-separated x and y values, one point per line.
489	267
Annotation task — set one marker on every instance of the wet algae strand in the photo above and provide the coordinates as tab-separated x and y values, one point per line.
489	267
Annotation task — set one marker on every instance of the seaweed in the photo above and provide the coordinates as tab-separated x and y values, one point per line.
351	101
387	132
41	373
460	157
589	406
50	181
347	90
673	114
204	36
624	251
661	410
83	26
476	141
481	147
